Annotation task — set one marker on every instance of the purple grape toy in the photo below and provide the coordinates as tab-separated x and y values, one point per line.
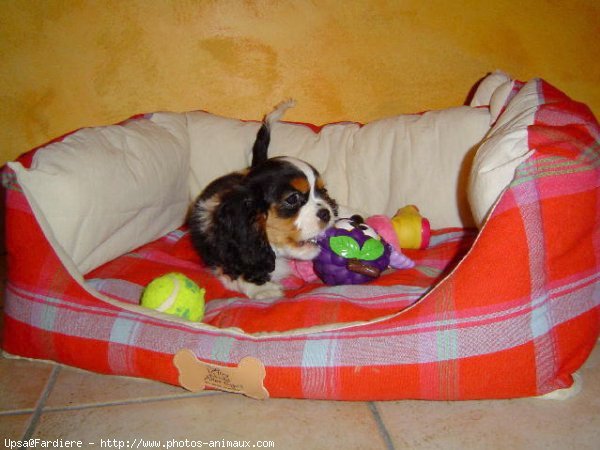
353	253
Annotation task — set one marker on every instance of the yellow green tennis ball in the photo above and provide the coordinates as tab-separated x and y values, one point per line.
174	293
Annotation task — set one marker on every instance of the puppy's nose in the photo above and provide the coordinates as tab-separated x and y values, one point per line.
324	215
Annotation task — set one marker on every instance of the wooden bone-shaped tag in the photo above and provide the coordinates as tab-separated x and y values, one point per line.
247	378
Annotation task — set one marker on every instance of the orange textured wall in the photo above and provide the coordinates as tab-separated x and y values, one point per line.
70	64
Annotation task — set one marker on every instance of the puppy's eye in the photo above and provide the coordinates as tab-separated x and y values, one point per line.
293	200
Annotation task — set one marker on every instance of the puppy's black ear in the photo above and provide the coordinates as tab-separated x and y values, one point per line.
241	237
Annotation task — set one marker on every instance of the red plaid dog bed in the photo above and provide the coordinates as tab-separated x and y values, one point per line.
510	311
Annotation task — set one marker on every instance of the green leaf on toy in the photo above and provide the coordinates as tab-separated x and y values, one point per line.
371	250
348	248
344	246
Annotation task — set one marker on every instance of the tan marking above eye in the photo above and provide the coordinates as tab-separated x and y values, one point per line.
300	184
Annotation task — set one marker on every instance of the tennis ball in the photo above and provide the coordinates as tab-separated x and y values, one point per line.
174	293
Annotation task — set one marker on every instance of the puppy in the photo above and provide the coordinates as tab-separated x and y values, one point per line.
247	224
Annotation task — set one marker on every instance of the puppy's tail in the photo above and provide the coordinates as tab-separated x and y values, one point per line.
263	137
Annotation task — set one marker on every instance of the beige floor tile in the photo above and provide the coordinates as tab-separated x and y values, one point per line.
593	362
514	424
75	387
288	423
21	383
13	427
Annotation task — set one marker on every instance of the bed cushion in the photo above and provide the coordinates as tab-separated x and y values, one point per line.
218	145
371	169
107	190
493	91
502	150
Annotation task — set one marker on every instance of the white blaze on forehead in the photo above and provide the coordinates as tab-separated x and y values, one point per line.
306	169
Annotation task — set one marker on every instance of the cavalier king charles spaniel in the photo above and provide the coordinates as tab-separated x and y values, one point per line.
247	224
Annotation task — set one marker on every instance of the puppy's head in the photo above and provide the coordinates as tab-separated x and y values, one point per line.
298	205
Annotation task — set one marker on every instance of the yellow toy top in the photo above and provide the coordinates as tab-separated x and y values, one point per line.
412	229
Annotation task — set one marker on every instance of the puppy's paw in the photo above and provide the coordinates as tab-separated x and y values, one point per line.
264	291
257	291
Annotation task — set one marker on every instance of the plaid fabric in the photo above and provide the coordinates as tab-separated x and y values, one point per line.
515	317
304	304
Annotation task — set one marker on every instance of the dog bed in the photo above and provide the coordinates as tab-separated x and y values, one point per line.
505	301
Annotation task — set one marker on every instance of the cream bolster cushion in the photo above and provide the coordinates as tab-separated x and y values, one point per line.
388	163
374	169
218	145
501	151
107	190
493	91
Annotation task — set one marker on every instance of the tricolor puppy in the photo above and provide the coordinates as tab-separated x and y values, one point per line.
247	224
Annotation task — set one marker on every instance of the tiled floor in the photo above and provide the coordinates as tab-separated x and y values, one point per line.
51	402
